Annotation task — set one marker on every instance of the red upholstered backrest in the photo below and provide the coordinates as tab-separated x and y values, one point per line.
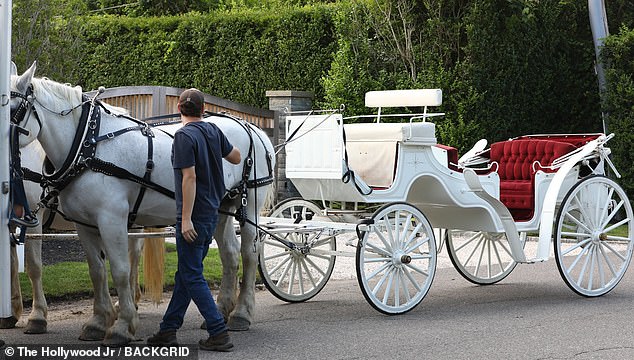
577	140
515	157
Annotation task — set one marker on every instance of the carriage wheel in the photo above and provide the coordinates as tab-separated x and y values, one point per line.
594	236
481	257
294	275
396	259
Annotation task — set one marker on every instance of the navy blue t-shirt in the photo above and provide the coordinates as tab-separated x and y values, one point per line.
202	145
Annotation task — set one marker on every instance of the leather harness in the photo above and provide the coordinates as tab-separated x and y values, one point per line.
83	151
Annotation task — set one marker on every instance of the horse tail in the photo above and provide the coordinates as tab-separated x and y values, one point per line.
269	200
153	269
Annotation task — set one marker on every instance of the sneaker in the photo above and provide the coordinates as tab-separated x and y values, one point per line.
220	342
163	338
1	344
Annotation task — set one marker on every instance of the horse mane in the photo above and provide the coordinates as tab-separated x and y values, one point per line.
51	91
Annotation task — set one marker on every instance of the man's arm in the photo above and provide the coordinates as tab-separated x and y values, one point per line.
234	156
189	195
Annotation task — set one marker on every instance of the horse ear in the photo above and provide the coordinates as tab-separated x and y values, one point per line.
25	79
14	69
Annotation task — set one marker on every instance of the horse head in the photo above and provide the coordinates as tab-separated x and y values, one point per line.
22	103
48	110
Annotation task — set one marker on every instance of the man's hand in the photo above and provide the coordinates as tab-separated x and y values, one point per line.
188	231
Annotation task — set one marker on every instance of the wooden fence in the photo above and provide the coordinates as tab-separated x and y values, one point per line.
146	101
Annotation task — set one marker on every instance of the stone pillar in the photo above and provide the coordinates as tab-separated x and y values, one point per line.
283	102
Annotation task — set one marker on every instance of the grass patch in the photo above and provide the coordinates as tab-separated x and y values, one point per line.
70	280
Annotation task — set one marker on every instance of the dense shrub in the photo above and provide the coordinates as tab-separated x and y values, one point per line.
237	56
533	67
506	67
619	103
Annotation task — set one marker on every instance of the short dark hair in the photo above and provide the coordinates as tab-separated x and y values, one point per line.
191	102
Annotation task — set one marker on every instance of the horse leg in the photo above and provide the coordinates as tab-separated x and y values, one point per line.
103	311
37	323
115	237
228	248
16	294
135	245
244	313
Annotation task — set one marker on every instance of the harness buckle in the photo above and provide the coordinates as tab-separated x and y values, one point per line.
244	201
149	166
21	130
147	131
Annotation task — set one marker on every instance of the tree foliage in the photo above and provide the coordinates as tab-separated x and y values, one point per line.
46	31
506	67
619	102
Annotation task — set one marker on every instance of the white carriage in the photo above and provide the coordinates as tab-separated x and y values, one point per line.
403	186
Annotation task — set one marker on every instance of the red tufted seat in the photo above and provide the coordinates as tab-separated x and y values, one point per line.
515	159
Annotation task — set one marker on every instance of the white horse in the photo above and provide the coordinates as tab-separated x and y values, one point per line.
32	157
100	204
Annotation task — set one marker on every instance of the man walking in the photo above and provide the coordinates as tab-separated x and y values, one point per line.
197	154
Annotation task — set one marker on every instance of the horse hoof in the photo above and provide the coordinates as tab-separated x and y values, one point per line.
36	327
89	333
8	323
238	324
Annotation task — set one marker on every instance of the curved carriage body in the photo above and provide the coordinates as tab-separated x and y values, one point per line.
487	203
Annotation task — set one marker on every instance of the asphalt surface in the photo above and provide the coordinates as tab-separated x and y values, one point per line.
532	314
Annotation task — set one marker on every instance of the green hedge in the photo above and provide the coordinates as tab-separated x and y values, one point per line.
237	56
506	67
619	103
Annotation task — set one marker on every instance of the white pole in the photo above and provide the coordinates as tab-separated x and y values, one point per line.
5	113
599	27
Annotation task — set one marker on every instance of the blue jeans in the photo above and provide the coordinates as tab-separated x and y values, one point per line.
190	283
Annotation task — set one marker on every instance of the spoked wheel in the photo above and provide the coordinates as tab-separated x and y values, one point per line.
594	234
396	259
296	275
481	257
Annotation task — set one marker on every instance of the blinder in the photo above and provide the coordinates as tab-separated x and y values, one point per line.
22	111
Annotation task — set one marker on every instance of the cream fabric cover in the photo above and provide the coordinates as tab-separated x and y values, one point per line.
372	148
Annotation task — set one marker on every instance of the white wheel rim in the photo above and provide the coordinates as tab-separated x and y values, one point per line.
481	257
291	274
594	236
397	261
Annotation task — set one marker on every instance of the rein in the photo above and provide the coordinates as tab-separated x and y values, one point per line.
17	194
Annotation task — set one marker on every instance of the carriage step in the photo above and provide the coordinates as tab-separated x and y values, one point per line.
533	261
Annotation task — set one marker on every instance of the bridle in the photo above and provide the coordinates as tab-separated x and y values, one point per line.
22	113
20	116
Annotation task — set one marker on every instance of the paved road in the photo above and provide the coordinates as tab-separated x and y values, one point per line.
530	315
